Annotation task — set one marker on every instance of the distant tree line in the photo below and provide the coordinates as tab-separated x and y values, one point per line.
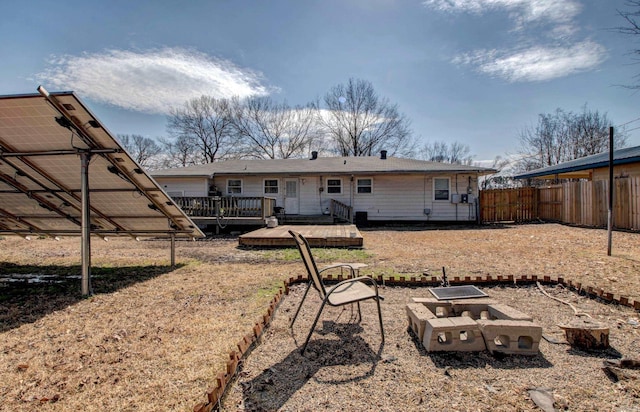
563	136
446	152
556	138
353	121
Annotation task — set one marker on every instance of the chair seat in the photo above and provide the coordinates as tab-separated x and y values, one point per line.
349	292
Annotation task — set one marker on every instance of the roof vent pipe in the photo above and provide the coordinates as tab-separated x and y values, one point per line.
314	155
383	154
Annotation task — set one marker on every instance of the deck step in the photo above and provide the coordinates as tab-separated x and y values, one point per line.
317	235
306	220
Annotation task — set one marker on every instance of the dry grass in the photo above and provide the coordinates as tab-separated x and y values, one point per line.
149	339
152	338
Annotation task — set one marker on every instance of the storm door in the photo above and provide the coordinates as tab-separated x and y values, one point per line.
291	199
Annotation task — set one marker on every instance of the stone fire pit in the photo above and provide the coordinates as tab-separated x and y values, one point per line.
472	325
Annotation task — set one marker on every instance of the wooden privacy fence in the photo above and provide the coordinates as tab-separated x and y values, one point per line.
583	203
513	205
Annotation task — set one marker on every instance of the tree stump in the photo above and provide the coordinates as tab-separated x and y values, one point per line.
587	334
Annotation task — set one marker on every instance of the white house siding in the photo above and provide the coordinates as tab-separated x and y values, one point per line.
394	197
184	186
252	186
405	197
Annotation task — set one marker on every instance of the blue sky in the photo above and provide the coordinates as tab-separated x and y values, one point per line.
471	71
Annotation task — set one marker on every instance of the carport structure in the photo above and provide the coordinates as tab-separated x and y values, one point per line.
62	173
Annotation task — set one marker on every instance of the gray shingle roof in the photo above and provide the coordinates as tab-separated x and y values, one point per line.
324	165
620	156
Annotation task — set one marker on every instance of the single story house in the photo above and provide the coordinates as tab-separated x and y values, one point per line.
626	162
373	188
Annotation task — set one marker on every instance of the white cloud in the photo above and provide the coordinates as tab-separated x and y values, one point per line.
151	81
523	11
536	63
534	20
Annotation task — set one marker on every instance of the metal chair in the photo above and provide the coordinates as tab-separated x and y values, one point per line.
346	292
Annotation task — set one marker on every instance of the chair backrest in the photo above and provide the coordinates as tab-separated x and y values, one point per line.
309	262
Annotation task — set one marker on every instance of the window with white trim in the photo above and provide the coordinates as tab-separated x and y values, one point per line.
271	186
364	185
441	188
234	186
334	186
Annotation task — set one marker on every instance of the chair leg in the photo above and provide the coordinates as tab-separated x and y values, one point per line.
300	305
304	347
380	319
359	313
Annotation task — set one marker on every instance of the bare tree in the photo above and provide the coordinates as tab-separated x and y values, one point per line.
444	152
206	124
361	123
563	136
631	27
274	130
179	152
504	177
144	150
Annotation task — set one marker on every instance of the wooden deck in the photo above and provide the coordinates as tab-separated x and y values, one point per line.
317	235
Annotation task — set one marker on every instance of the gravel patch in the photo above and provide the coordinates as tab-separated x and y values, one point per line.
346	367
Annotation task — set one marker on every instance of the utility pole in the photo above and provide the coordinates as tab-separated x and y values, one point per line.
610	209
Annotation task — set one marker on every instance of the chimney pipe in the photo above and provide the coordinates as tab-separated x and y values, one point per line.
383	154
314	155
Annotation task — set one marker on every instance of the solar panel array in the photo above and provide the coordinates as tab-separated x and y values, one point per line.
43	140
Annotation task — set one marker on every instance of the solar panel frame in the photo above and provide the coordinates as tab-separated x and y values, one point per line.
42	140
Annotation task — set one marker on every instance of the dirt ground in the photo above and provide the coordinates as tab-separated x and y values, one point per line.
345	366
153	337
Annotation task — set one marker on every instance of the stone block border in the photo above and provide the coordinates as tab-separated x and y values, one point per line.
224	378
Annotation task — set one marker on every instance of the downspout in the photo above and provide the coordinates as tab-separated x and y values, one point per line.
424	196
320	190
469	192
457	194
351	199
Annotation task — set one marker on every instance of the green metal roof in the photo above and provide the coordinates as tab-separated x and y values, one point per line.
620	156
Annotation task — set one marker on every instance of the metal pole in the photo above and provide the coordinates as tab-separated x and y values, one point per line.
173	251
86	226
610	209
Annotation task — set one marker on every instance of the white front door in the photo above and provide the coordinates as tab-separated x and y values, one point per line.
291	202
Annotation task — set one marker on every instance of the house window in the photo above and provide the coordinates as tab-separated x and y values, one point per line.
334	186
364	186
270	186
441	188
234	186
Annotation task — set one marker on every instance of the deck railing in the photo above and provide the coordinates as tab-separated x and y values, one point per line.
341	211
226	206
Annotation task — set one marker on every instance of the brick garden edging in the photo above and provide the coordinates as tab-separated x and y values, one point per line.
248	342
